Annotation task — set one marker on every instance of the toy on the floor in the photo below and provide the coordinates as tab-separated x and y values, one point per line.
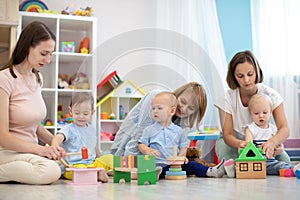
286	173
194	154
84	176
297	173
175	171
250	163
143	165
84	155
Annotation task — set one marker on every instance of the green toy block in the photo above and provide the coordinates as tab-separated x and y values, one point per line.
118	175
145	167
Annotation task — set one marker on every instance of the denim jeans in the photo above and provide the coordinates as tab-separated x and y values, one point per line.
273	166
192	168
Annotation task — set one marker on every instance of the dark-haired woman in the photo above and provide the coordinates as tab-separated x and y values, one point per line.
244	78
22	110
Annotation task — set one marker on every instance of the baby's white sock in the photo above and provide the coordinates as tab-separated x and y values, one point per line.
217	171
296	167
229	168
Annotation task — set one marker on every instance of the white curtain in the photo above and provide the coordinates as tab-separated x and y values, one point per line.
180	43
198	21
276	41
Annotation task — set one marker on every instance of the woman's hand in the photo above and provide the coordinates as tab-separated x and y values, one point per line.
243	144
268	148
53	152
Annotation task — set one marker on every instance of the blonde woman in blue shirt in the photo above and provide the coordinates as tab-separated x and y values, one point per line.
190	110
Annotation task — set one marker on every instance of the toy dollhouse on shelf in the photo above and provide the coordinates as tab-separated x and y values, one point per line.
115	99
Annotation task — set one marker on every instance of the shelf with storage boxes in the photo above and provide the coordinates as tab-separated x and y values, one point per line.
8	28
113	108
76	70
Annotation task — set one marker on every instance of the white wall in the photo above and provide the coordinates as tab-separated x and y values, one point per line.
132	41
114	16
117	17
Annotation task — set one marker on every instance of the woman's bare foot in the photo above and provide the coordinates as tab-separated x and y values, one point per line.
102	176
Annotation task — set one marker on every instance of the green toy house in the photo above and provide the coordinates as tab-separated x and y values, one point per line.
250	163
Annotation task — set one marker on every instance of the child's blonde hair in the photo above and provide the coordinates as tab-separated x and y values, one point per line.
80	97
170	97
258	98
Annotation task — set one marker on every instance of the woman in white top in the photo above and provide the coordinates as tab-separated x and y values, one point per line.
244	78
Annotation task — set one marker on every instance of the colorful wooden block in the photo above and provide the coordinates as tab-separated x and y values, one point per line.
84	176
143	165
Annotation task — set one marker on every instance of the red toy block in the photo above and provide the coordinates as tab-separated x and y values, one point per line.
286	173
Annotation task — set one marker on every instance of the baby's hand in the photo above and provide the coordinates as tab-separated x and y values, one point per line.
153	152
186	160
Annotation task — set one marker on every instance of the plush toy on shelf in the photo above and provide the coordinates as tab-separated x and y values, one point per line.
84	46
63	81
78	12
79	81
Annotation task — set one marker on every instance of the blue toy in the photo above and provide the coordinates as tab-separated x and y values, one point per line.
297	173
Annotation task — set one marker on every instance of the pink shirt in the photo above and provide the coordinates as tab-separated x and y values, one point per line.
26	105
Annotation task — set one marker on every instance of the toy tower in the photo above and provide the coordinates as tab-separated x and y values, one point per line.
175	171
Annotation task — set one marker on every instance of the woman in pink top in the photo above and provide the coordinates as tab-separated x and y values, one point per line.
22	109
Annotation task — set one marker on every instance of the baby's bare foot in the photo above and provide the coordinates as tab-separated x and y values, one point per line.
110	173
102	176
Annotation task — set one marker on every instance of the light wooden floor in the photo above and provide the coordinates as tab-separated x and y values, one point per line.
274	187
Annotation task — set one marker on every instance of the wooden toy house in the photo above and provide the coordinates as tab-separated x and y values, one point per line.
250	163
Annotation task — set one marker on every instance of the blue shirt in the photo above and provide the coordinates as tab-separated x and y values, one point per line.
164	139
77	137
132	127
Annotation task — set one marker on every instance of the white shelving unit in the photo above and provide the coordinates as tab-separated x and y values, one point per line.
8	28
66	28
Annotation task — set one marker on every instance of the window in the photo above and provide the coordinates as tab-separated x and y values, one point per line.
257	166
244	167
